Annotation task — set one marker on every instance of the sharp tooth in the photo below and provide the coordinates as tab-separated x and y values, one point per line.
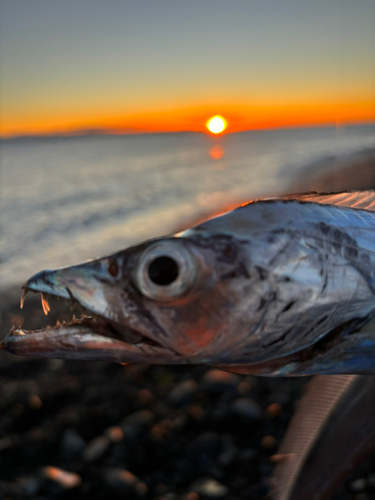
45	304
24	292
58	323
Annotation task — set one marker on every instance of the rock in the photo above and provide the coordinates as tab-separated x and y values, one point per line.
248	454
227	457
371	480
6	442
210	488
269	442
96	449
124	482
358	484
134	423
204	448
28	486
362	496
183	392
65	479
114	434
219	381
72	444
247	408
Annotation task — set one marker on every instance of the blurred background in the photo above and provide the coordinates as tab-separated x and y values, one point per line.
106	140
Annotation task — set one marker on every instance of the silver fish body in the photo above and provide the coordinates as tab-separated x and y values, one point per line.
277	287
332	431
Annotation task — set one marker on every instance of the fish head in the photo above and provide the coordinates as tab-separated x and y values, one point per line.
246	293
182	294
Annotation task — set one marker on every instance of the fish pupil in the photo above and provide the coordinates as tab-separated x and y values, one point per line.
163	271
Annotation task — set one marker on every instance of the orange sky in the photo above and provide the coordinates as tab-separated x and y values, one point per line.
68	67
239	118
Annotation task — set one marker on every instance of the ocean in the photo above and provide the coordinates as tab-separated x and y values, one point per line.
68	199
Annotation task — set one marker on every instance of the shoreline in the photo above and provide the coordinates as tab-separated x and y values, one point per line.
352	172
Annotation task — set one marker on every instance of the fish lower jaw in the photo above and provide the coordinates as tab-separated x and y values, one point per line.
87	323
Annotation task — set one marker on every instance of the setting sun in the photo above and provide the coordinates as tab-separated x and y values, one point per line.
216	124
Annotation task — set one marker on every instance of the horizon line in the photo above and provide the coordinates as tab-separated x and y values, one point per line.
108	131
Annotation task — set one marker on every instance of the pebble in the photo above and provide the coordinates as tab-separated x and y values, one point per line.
210	488
274	410
114	433
204	448
67	480
6	442
183	392
227	457
269	442
219	381
248	454
96	448
29	486
72	444
358	484
134	423
247	409
362	496
35	402
124	482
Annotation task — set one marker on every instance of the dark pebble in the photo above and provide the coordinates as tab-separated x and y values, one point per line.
183	392
227	457
124	482
219	381
248	454
358	484
204	448
72	444
28	486
96	449
136	422
247	409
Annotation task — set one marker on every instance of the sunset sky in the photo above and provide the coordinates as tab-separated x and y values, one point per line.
167	65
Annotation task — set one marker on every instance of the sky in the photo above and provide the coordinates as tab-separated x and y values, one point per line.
69	66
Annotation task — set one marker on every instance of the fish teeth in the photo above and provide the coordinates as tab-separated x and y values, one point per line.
22	301
45	303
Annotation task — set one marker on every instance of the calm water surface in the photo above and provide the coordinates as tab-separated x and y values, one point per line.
64	200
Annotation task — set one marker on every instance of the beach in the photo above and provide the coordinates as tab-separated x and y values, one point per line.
152	432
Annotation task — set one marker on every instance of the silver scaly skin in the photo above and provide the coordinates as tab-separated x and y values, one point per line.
282	286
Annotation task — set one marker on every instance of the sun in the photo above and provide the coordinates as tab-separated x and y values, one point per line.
216	124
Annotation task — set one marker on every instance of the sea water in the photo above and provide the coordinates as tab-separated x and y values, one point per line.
68	199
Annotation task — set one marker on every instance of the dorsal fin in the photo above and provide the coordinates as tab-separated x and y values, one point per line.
364	200
320	400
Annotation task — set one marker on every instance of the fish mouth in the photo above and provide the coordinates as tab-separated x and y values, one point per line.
89	337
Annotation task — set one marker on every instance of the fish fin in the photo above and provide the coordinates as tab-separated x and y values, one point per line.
364	200
320	400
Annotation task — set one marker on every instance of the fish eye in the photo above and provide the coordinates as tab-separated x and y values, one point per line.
166	270
163	270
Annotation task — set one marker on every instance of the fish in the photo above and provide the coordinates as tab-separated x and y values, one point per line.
278	287
281	286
